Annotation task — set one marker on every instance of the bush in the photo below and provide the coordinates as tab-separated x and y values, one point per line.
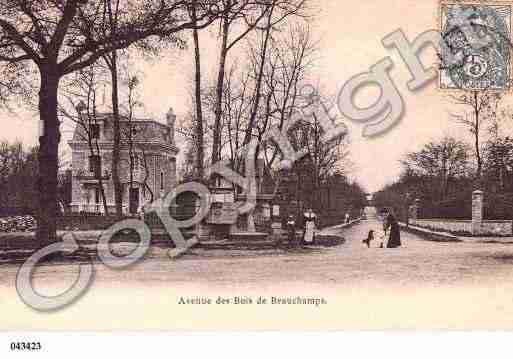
498	206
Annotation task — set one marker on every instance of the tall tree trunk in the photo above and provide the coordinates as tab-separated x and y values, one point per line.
501	176
200	155
131	157
112	63
260	76
118	189
99	175
48	156
216	145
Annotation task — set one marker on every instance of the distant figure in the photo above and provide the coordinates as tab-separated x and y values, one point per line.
347	217
291	228
309	230
394	239
369	239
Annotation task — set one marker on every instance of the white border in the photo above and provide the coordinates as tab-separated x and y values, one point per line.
259	345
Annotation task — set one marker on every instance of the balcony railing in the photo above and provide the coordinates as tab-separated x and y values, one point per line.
91	176
92	208
98	208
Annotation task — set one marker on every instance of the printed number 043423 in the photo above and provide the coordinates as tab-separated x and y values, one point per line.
25	346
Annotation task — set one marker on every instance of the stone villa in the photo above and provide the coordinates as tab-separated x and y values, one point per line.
153	152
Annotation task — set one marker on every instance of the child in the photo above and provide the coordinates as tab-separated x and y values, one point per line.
383	238
370	237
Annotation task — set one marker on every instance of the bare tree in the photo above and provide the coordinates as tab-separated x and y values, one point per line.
483	105
235	14
81	96
61	37
250	15
289	67
200	155
111	60
322	159
498	169
131	136
440	161
276	79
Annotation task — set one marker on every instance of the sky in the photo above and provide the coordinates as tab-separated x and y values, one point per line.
350	36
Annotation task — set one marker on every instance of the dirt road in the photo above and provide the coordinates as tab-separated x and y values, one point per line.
422	285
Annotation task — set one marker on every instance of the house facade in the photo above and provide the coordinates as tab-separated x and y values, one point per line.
147	166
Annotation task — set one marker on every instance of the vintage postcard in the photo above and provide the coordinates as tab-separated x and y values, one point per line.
255	165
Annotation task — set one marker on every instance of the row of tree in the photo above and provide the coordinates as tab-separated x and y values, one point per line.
18	174
18	180
265	76
57	38
56	51
265	54
444	173
43	41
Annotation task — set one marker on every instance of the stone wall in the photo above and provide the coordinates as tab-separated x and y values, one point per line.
449	225
499	228
430	235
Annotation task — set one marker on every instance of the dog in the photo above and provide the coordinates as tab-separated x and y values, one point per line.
369	239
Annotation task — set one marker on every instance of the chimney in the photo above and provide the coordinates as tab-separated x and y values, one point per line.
170	119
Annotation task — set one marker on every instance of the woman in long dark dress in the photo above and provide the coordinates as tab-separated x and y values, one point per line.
394	238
